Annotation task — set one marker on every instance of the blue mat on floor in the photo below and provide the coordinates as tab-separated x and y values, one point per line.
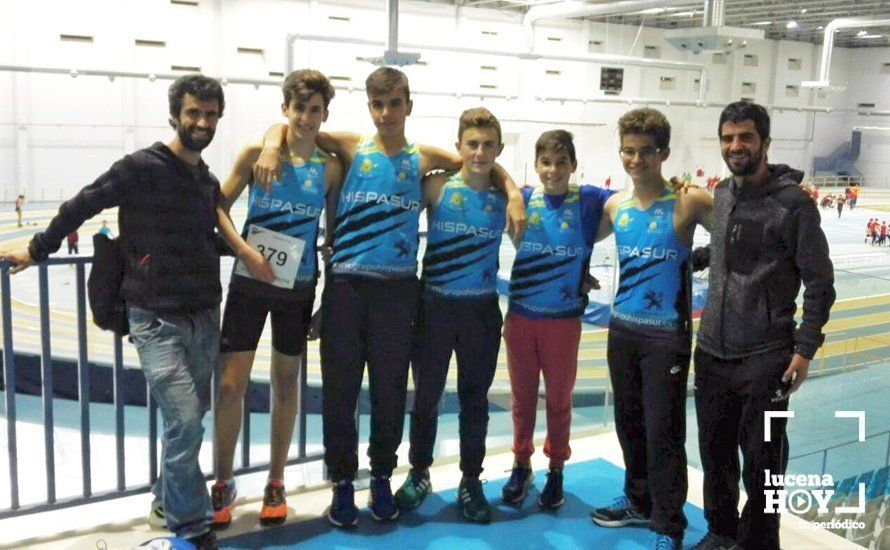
438	524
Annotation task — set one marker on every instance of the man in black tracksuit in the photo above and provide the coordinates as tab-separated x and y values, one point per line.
766	240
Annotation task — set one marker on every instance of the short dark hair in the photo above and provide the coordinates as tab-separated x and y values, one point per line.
386	79
556	140
646	122
478	117
745	110
303	84
202	87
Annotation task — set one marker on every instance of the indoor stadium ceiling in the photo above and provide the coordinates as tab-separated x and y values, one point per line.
773	17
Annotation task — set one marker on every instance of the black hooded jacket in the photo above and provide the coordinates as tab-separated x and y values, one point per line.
167	221
766	241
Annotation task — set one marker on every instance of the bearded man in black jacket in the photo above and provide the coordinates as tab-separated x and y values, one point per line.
751	356
167	201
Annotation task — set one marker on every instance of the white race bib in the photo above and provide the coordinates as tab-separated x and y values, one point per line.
283	252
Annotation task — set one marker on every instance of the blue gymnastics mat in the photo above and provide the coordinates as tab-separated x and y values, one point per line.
438	524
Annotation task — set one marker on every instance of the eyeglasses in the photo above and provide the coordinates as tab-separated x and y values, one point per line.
646	153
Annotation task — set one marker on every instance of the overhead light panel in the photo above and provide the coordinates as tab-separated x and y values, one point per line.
760	23
653	11
861	33
871	36
792	25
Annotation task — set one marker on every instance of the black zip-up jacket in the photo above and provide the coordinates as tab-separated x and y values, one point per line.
167	221
765	241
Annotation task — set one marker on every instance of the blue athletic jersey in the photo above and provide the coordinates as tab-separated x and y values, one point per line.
293	207
377	225
654	269
463	242
552	257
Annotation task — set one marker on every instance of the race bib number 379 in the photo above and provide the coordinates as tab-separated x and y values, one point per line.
282	251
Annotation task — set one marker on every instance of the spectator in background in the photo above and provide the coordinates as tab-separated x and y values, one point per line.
72	239
841	199
104	230
19	203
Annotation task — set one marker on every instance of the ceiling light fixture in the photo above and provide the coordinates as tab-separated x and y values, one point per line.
653	11
792	25
760	23
863	32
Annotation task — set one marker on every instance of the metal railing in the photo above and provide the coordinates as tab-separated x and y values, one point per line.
824	452
84	367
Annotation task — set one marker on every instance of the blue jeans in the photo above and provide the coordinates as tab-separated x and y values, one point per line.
178	353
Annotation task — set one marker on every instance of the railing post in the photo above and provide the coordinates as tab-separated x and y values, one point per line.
9	382
117	377
245	426
301	404
46	372
83	378
887	455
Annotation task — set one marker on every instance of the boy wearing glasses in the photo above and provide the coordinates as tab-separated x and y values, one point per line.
650	329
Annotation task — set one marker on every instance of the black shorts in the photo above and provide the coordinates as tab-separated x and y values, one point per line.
245	317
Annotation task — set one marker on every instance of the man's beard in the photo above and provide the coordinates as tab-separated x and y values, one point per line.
747	169
190	142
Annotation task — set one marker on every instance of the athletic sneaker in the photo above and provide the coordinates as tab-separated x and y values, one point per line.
274	510
713	541
383	507
343	512
222	499
473	504
618	514
157	518
666	542
517	487
416	487
204	541
551	497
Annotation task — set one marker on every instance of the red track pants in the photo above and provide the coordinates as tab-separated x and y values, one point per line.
548	346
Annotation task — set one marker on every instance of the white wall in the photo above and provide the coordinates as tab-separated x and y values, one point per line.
58	133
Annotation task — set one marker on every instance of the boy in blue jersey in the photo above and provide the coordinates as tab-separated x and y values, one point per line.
291	207
369	303
459	311
650	329
543	325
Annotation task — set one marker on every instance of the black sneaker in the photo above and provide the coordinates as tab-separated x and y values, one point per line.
383	506
473	504
204	541
618	514
713	541
343	512
551	497
516	489
666	542
416	488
